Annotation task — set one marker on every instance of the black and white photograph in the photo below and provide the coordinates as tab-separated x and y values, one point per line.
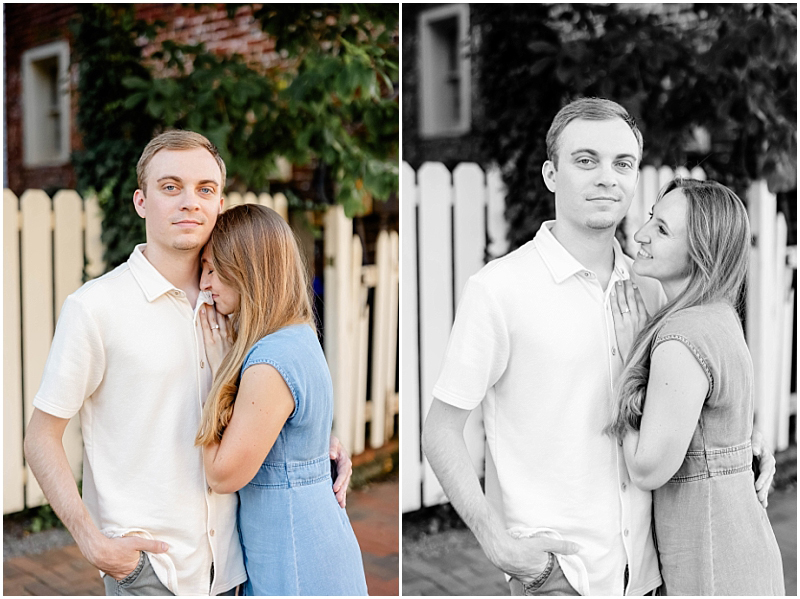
598	279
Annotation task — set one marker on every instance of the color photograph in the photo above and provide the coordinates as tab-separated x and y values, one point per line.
201	283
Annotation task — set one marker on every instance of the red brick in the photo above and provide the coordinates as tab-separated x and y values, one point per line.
37	588
16	587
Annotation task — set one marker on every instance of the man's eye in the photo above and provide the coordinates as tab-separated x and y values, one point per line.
626	165
206	190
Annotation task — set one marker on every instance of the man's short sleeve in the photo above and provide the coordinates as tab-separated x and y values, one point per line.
76	362
477	353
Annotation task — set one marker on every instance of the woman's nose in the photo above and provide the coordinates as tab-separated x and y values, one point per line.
641	235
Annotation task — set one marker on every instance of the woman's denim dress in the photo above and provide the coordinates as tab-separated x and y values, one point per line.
295	537
713	535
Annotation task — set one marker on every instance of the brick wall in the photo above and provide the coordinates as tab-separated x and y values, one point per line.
210	25
30	25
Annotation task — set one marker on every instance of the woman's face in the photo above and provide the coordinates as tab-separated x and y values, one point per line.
226	298
664	254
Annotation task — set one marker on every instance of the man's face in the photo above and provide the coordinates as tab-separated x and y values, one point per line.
183	198
597	173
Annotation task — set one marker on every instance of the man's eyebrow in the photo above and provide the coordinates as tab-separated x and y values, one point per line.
584	151
176	178
595	153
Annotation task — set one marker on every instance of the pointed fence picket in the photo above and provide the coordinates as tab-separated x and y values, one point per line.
451	221
445	222
51	246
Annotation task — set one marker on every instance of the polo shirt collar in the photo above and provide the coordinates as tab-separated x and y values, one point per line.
152	282
561	264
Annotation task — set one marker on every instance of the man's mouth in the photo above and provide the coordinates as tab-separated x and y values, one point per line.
604	199
187	223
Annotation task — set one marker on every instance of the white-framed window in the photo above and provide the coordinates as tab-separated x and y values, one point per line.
46	105
444	67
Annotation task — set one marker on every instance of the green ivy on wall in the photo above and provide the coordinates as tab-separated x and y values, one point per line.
332	106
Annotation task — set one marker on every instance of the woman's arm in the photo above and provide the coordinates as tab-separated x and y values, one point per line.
676	391
263	404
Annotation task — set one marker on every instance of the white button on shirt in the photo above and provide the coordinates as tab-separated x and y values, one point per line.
530	345
127	355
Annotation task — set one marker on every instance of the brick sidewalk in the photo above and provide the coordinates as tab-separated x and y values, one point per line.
373	513
452	563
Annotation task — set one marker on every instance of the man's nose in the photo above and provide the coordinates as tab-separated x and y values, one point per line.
189	201
606	176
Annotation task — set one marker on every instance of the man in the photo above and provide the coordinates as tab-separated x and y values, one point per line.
533	342
128	355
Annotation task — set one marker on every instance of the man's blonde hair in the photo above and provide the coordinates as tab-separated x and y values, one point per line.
176	140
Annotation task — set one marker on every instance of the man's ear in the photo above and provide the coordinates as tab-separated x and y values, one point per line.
549	175
138	202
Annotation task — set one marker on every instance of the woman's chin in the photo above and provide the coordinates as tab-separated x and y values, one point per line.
640	268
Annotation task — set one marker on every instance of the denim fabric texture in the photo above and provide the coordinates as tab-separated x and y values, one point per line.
141	582
295	537
712	534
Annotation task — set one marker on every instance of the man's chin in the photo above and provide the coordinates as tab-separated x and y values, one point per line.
601	223
187	245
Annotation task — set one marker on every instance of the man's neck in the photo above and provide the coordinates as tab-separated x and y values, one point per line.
181	268
594	249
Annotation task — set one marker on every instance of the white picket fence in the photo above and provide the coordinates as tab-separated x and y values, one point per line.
347	322
436	265
448	223
46	244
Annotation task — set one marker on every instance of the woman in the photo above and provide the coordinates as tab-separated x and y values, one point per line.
266	423
684	404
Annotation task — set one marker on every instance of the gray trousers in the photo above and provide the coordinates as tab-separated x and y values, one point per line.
141	582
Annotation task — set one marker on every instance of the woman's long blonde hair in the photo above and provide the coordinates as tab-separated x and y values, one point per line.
719	247
256	253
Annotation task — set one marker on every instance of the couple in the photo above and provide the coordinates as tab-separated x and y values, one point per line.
589	406
175	418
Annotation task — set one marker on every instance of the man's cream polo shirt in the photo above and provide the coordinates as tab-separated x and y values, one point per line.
128	355
533	343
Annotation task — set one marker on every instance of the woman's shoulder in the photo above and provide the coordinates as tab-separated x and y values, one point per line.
699	321
281	342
